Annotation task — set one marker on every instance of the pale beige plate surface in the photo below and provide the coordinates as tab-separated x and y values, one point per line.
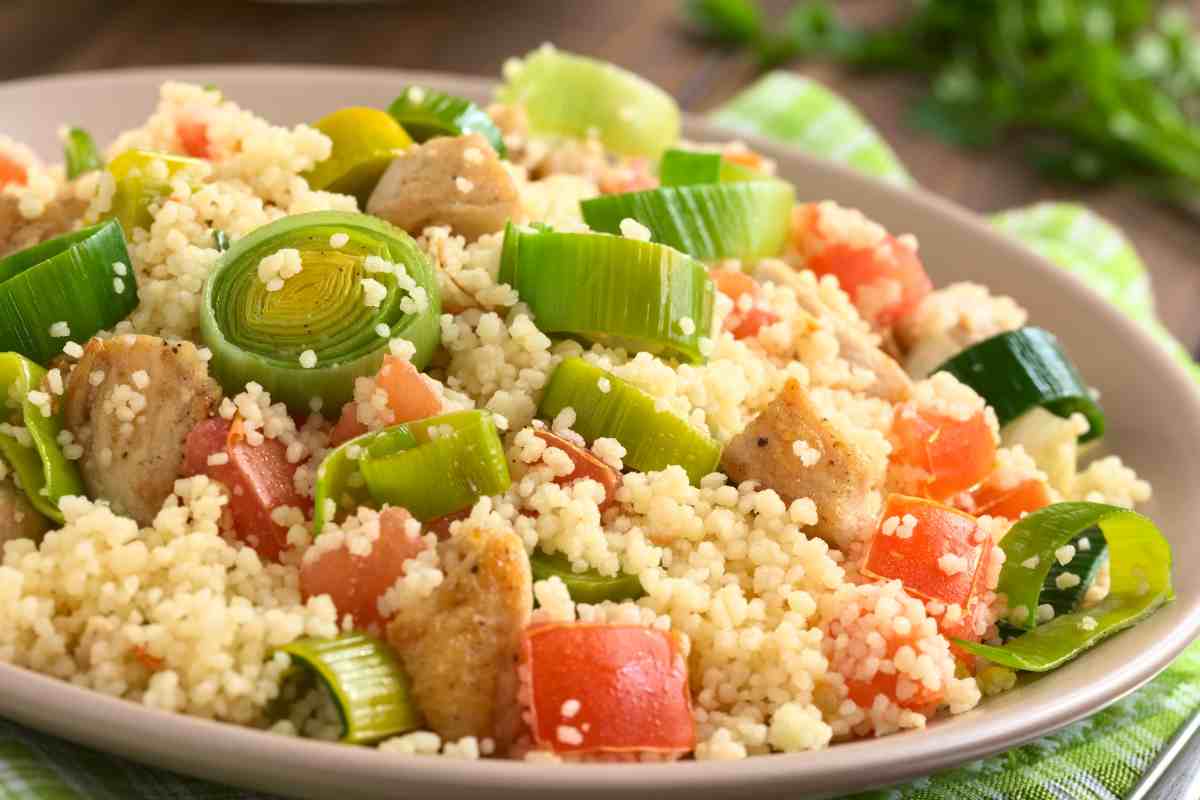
1154	418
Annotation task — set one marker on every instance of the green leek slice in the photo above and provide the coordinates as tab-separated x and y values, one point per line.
431	467
257	335
621	292
687	167
44	473
140	183
1020	370
80	153
365	140
1085	564
1140	559
653	439
710	221
71	278
570	95
425	113
366	681
585	587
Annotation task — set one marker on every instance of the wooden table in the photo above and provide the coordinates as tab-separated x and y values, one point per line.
475	37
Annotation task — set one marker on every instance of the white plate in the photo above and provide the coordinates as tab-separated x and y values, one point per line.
1154	419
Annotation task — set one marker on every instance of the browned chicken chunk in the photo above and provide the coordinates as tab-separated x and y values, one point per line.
841	477
459	182
17	232
460	645
131	402
18	518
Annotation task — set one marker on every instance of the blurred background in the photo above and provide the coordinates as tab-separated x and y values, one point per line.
704	52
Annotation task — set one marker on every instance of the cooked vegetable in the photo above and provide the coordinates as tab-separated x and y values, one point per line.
1063	594
622	292
12	172
311	335
621	688
426	113
570	95
64	290
996	498
366	682
431	467
29	438
365	140
940	455
1140	564
605	405
686	167
747	219
80	153
1023	369
586	467
409	397
936	551
221	240
143	177
743	323
585	587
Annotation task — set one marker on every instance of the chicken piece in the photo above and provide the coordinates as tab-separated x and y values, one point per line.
842	477
459	182
18	518
513	123
17	232
461	644
133	426
856	343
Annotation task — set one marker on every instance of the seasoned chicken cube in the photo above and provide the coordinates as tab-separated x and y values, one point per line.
460	645
18	518
17	232
131	402
795	449
459	182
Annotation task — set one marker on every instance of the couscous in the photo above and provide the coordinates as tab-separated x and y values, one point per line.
531	431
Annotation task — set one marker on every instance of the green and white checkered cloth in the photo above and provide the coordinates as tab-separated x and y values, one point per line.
1099	758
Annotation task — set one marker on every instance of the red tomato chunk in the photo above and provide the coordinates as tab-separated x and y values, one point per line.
743	323
1010	502
409	398
12	171
952	454
608	689
587	465
193	136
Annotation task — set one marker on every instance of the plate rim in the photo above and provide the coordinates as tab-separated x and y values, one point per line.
840	768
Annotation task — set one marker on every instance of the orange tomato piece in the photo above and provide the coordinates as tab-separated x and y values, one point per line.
587	465
743	324
952	454
347	426
607	689
356	583
935	551
193	136
1010	502
409	398
12	171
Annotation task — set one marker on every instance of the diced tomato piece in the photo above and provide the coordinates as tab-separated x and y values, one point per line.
151	662
193	136
743	156
347	426
1010	502
586	466
935	551
952	454
863	692
743	324
208	438
12	171
357	582
607	688
632	176
409	396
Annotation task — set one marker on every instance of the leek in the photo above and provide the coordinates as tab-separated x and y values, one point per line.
585	587
426	113
265	336
365	140
1140	565
605	405
708	221
366	682
80	153
83	279
686	167
29	439
570	95
143	177
621	292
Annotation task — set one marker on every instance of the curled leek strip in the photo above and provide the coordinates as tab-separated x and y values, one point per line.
622	292
686	167
326	325
29	439
585	587
83	279
426	113
366	681
80	153
1140	565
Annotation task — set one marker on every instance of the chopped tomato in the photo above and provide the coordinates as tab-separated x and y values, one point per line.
151	662
441	525
586	466
935	551
607	689
259	479
949	455
409	398
885	280
632	176
1007	501
347	426
921	698
743	156
743	323
193	136
12	171
356	583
